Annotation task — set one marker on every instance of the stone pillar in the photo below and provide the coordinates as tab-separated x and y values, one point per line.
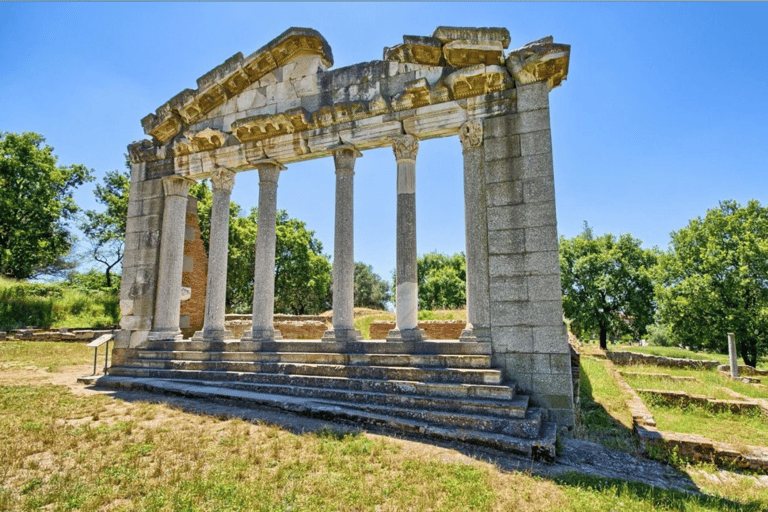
264	272
343	248
733	357
216	289
407	293
476	233
171	262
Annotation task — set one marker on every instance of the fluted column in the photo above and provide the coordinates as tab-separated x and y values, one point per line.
476	234
407	294
218	248
165	325
344	248
264	268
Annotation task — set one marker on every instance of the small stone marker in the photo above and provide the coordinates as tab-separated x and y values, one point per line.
732	354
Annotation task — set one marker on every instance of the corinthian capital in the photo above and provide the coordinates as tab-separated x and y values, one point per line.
405	147
471	134
222	179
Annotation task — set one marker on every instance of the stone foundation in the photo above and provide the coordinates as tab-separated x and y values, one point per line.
627	358
433	329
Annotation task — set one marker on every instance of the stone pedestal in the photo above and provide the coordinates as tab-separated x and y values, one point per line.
171	262
475	221
215	299
264	271
343	249
407	294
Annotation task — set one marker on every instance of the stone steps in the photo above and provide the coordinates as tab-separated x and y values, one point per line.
418	360
453	390
455	375
539	440
443	347
444	388
515	407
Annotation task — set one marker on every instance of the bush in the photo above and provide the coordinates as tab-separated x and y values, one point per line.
660	335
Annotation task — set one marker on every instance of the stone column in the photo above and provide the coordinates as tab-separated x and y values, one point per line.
343	248
732	355
216	292
407	293
171	262
476	234
264	271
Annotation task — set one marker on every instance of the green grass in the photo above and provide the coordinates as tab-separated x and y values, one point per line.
762	362
746	428
708	382
363	323
24	304
603	416
65	451
45	354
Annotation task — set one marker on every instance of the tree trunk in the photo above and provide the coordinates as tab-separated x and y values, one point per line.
603	337
749	352
109	277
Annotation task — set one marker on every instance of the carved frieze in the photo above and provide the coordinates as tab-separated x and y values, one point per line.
299	44
461	54
378	105
205	140
416	95
260	65
477	35
142	151
478	80
417	50
262	127
471	134
540	60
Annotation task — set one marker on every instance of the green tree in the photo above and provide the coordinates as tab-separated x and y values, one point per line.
302	272
714	280
36	204
442	281
607	283
371	291
106	229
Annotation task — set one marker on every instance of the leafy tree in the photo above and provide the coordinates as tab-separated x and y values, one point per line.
106	230
35	205
371	291
302	273
607	283
715	280
442	281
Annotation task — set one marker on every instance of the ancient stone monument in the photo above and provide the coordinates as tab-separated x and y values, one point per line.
282	104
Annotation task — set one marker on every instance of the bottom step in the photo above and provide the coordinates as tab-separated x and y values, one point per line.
542	448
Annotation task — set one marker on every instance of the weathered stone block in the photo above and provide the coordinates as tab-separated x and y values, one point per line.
560	363
509	289
502	148
504	126
535	143
541	189
545	262
541	363
532	166
505	265
520	363
541	238
136	323
189	264
504	193
532	96
539	313
508	241
550	339
544	287
513	339
553	384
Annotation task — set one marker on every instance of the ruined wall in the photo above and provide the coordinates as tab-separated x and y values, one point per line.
195	274
529	336
433	329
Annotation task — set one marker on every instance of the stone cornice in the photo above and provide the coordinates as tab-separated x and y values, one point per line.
435	101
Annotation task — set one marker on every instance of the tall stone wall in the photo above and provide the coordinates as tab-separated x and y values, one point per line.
195	274
528	334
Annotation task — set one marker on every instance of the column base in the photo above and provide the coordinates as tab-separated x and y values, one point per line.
211	335
342	335
165	336
255	337
475	334
415	334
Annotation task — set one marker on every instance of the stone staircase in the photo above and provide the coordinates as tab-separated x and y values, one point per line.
445	390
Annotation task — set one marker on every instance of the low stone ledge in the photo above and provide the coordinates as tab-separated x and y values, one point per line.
289	329
663	376
744	370
681	398
433	329
627	358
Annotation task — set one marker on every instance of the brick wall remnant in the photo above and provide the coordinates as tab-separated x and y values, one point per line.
195	274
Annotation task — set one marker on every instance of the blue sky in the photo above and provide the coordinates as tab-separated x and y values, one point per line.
664	113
